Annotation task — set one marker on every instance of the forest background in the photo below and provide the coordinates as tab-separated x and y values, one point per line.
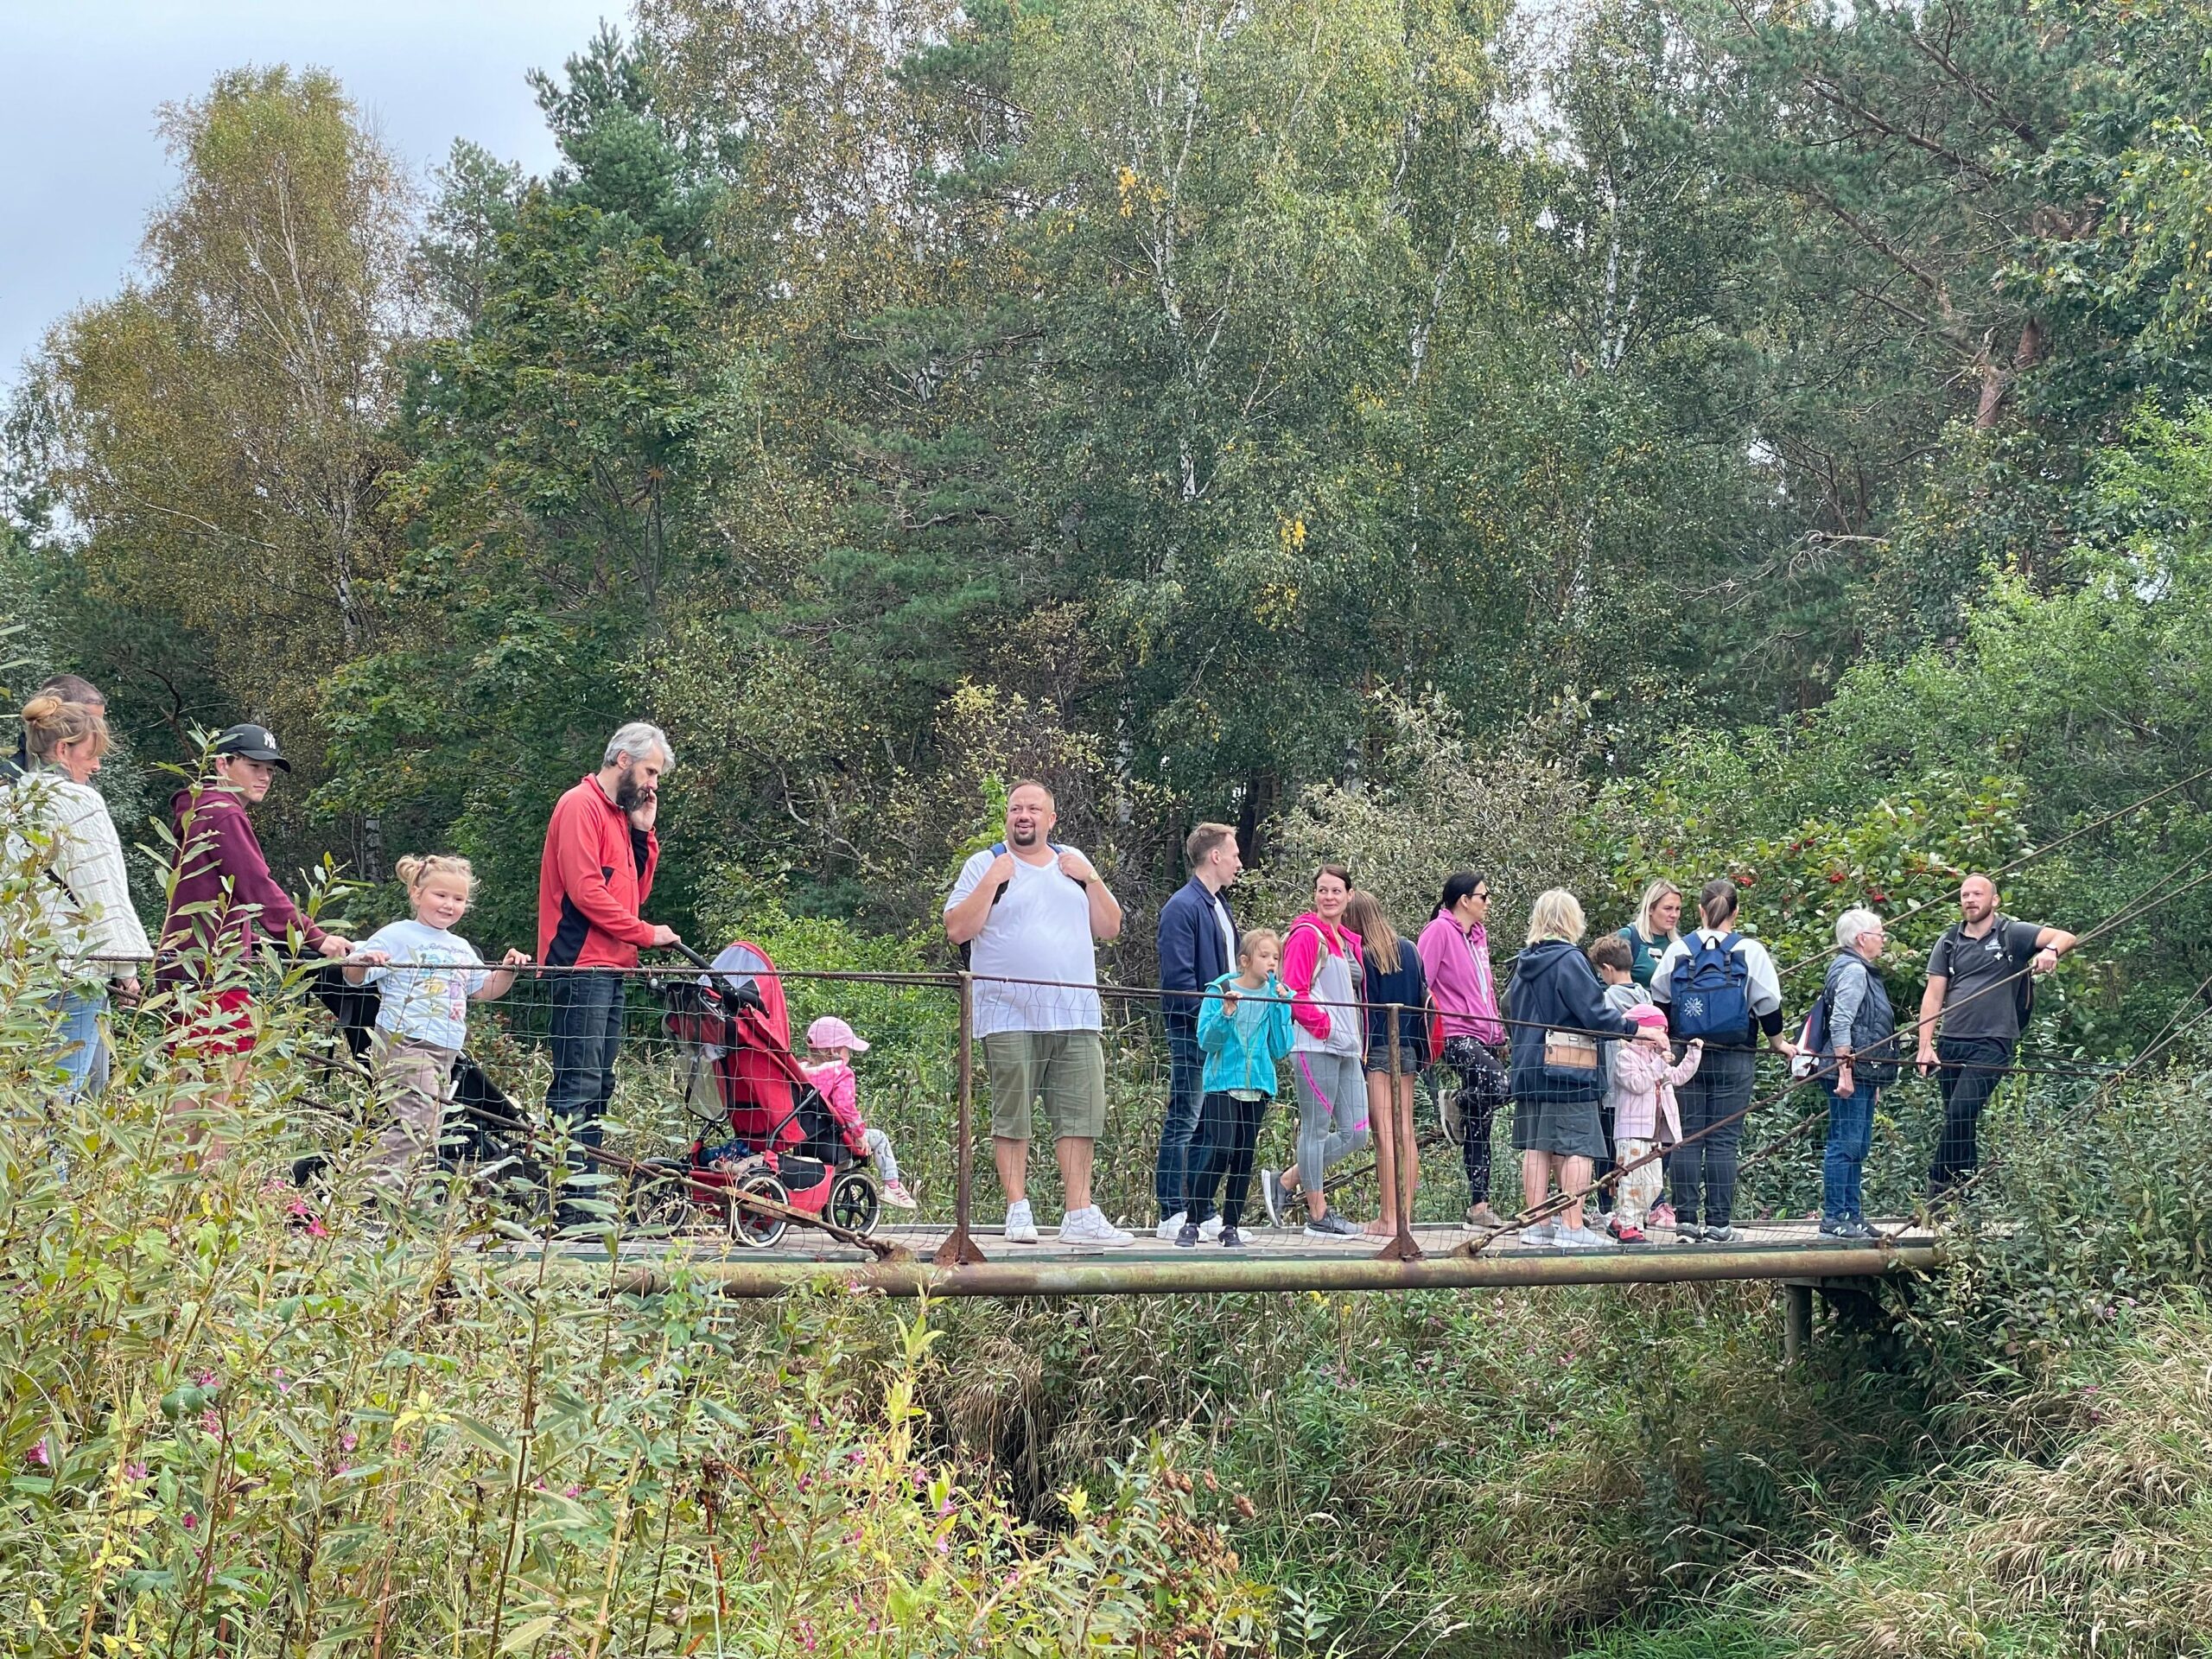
1643	437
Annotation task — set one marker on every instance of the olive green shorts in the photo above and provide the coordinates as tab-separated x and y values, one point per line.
1064	1071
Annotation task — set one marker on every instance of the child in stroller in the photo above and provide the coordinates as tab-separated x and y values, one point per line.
784	1145
830	1045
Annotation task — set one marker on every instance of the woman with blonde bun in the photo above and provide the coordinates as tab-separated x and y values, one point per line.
428	975
62	844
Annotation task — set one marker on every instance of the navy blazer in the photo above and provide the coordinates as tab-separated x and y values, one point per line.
1191	956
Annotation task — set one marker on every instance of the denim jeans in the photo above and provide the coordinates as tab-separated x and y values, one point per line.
587	1033
1851	1132
77	1044
1178	1127
1970	1070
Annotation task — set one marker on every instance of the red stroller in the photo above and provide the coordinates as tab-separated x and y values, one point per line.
783	1145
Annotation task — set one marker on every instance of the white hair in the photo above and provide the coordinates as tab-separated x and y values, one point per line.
1853	923
637	742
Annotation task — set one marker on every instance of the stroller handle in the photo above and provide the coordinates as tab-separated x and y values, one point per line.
742	993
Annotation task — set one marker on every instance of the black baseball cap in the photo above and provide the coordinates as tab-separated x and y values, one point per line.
252	743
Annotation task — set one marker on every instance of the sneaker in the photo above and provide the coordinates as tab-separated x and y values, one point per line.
1661	1214
1688	1232
1210	1228
1577	1238
1170	1226
1089	1228
1231	1239
1186	1236
1481	1215
1723	1234
1860	1230
896	1195
1271	1196
1836	1227
1626	1232
1543	1232
1330	1225
1020	1224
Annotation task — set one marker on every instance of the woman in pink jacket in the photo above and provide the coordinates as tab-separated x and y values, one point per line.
1322	969
1641	1095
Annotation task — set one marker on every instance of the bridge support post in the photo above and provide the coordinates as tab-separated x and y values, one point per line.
1796	1321
959	1250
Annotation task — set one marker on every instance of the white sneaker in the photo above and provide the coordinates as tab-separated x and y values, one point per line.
1577	1238
1541	1233
1090	1228
1166	1231
1210	1228
1020	1225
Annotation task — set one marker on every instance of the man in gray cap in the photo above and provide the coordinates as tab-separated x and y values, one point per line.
225	900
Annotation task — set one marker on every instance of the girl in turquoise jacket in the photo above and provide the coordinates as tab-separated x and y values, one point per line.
1243	1029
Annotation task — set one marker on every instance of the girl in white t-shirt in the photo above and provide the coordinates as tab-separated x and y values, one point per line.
427	975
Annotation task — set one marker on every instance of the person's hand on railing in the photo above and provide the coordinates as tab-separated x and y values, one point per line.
128	992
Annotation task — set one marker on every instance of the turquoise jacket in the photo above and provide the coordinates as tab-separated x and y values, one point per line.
1242	1048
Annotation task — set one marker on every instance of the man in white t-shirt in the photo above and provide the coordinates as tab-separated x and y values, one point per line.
1031	914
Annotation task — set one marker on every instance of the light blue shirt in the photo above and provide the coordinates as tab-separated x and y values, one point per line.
425	993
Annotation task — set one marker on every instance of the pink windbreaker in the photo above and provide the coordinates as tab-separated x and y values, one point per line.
1301	960
1644	1091
841	1092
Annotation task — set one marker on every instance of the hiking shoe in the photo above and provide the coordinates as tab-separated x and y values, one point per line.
1860	1230
1661	1214
1330	1225
1481	1215
1170	1226
1577	1238
1724	1233
1626	1232
1271	1196
1186	1236
896	1195
1090	1228
1020	1224
1836	1227
1210	1228
1542	1232
1231	1239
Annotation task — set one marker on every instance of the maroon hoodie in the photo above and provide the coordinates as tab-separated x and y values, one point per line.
223	890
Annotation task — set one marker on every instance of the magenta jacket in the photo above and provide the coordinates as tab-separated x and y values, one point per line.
223	891
1301	962
1459	983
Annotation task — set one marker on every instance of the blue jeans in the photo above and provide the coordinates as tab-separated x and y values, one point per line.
1851	1132
77	1044
1186	1065
587	1035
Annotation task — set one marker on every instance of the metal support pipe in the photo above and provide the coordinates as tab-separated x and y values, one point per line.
1396	1158
1796	1321
960	1250
1155	1277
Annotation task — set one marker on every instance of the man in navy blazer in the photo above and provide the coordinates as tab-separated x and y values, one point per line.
1197	945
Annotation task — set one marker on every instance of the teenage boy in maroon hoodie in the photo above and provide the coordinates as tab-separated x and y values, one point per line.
595	875
225	901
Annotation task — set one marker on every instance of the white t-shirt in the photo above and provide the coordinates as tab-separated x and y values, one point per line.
423	997
1040	930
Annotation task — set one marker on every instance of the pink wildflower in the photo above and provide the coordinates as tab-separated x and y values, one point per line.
134	1472
38	1455
206	1379
572	1491
212	1421
348	1440
190	1521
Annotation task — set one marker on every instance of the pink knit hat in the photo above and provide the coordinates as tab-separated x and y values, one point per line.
830	1032
1645	1014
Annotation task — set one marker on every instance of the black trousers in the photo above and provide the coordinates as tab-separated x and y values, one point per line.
1702	1172
1229	1133
1968	1071
1481	1086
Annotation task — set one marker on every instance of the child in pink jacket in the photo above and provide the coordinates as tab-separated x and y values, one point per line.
831	1045
1644	1118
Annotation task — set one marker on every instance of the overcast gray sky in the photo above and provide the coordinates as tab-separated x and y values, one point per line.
81	165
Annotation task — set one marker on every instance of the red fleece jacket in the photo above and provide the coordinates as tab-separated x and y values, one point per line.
595	876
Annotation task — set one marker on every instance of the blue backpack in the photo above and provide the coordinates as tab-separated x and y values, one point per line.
1709	991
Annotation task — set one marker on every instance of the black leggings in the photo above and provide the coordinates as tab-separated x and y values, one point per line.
1706	1169
1228	1131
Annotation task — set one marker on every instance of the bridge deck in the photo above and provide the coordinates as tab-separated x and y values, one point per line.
1274	1260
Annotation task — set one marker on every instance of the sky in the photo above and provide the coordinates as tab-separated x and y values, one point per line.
81	164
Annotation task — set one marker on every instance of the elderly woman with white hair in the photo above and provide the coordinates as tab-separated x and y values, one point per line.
1858	1059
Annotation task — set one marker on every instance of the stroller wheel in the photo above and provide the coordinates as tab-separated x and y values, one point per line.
750	1228
855	1204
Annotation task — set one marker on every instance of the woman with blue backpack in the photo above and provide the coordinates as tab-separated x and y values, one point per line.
1720	987
1854	1030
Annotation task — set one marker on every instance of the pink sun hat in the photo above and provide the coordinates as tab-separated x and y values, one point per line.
830	1032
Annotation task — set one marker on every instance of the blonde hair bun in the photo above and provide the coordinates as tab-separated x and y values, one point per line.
417	867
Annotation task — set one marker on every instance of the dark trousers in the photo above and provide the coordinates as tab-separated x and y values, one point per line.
1969	1071
1228	1131
1470	1063
1851	1133
1702	1172
1179	1128
587	1035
